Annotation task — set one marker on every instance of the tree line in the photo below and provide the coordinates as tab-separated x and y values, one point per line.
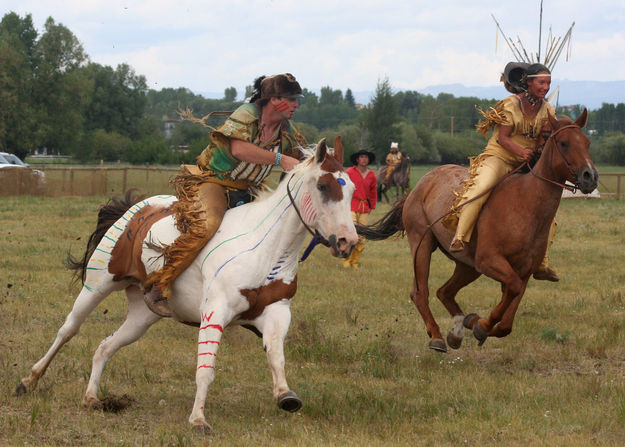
54	98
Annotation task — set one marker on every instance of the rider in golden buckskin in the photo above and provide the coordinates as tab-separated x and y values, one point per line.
255	138
393	159
517	121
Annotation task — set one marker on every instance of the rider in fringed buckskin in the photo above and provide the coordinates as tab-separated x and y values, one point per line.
393	159
241	154
517	121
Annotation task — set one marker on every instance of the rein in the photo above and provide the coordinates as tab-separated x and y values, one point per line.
453	210
551	140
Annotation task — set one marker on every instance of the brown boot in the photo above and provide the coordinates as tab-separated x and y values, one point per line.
457	245
156	303
546	274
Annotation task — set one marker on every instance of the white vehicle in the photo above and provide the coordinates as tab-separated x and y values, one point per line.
10	161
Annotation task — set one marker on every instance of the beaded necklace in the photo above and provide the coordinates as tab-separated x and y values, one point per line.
533	100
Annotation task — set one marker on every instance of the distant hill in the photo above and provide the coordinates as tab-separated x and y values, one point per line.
591	94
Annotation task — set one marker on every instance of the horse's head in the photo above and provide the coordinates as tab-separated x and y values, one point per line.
569	156
325	201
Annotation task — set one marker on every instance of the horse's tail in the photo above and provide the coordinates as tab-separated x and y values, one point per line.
107	215
387	226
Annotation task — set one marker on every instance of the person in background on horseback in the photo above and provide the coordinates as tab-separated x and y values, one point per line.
517	122
393	159
364	199
255	138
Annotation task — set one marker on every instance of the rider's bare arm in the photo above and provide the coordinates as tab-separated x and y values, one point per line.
245	151
509	145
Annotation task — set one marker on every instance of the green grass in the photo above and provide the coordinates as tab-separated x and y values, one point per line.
356	352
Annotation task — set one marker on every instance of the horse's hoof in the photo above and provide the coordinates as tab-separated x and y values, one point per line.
468	321
92	404
20	389
454	341
438	344
480	334
289	402
203	429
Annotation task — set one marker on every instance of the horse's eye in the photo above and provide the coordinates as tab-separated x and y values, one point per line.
322	187
564	144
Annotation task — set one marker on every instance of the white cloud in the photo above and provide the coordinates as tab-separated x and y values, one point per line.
212	45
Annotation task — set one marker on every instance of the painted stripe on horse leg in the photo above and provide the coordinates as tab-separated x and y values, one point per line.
205	366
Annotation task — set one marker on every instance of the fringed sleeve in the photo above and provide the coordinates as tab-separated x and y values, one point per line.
493	116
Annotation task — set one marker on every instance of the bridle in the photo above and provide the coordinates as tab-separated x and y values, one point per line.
551	140
315	234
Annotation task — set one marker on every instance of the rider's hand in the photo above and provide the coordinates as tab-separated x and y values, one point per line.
527	154
288	163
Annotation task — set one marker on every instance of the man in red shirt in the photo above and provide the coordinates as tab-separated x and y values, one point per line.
364	198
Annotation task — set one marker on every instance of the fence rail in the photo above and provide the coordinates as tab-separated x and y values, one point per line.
611	185
103	181
113	181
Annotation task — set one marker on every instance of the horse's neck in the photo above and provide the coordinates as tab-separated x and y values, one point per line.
283	227
543	195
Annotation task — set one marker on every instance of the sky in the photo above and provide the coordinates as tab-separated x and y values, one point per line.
210	45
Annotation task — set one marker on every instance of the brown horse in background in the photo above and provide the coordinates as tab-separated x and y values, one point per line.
400	179
510	237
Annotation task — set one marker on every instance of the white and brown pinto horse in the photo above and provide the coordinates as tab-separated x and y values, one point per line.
247	274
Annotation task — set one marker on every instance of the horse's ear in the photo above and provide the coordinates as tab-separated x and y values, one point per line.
582	120
320	152
338	150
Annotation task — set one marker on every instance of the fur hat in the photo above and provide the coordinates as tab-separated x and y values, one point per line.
355	155
280	85
512	76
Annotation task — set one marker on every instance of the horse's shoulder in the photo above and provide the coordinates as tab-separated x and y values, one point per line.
261	297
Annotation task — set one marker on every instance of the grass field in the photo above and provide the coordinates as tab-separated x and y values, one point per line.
356	353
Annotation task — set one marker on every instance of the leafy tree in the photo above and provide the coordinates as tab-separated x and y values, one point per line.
409	103
430	113
17	114
610	149
118	99
456	149
310	98
186	131
248	90
381	118
102	145
349	98
310	132
330	96
230	94
60	88
149	149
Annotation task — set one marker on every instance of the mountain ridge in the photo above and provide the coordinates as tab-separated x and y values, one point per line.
590	94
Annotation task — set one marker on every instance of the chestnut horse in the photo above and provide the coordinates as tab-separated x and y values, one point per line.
510	237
